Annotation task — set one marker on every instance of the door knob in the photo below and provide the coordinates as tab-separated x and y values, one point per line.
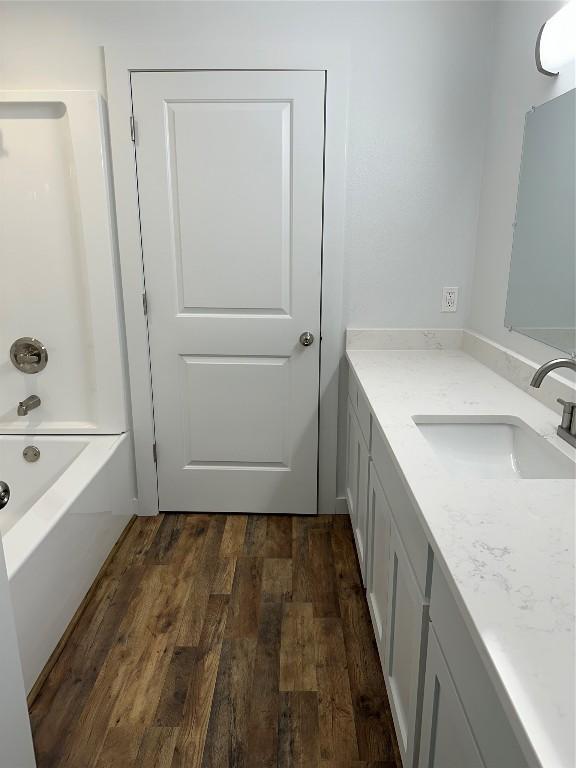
306	339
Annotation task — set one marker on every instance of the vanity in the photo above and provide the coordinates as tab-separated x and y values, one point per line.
462	499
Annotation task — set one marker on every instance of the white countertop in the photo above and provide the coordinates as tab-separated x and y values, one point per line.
507	546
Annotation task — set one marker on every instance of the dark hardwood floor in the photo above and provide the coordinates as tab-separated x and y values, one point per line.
215	640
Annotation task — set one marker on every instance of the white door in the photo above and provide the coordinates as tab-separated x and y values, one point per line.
230	179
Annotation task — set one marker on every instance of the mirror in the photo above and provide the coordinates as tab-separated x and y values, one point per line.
542	285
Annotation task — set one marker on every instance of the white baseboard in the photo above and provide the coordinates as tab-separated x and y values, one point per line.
341	506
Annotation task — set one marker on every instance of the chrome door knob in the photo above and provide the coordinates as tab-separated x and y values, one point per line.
4	494
306	338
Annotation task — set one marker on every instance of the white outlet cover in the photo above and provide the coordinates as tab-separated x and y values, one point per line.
449	299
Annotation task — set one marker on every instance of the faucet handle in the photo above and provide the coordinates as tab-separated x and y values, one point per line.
569	409
28	358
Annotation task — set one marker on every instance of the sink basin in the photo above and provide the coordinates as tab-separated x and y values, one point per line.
498	448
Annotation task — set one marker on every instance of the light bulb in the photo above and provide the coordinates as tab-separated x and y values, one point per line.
556	44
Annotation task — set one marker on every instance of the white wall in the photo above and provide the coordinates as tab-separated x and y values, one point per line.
516	87
418	94
417	109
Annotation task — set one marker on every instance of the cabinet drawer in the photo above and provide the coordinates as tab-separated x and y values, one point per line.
360	526
361	406
403	512
351	462
489	722
378	579
352	387
357	470
365	418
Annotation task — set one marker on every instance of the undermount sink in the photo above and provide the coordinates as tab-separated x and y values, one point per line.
494	448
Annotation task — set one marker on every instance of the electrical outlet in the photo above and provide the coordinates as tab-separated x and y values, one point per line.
449	299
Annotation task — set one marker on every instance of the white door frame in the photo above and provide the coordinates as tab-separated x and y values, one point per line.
333	58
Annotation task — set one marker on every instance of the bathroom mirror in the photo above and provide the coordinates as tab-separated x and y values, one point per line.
542	284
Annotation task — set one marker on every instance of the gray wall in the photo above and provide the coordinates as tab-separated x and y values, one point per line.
516	86
418	94
420	75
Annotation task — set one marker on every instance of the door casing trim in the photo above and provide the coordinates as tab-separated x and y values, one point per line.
332	57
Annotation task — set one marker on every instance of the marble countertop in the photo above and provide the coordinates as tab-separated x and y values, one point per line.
506	546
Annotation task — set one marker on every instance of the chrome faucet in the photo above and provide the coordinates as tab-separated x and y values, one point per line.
28	405
567	428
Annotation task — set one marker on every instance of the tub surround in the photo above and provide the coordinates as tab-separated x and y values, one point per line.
15	734
59	223
69	508
504	546
57	544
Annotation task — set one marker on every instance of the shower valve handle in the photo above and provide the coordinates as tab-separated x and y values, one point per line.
4	494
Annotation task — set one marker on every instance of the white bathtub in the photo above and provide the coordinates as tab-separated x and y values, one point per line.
65	513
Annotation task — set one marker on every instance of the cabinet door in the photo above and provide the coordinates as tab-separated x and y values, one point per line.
378	566
361	519
406	651
446	738
352	463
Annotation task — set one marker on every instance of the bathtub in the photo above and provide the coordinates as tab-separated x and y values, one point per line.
65	513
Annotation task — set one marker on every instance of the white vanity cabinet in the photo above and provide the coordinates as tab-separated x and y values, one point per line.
446	738
401	585
446	711
361	520
450	705
399	613
460	693
357	487
352	462
357	473
378	578
393	554
406	649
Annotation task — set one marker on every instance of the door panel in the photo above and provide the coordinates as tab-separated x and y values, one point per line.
361	521
357	471
379	566
352	465
237	410
230	177
218	151
407	638
447	740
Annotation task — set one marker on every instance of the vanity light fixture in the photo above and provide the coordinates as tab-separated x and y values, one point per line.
556	42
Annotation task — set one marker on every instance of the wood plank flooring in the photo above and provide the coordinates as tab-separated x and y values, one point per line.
221	640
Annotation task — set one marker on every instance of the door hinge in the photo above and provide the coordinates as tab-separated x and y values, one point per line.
155	453
133	129
145	302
